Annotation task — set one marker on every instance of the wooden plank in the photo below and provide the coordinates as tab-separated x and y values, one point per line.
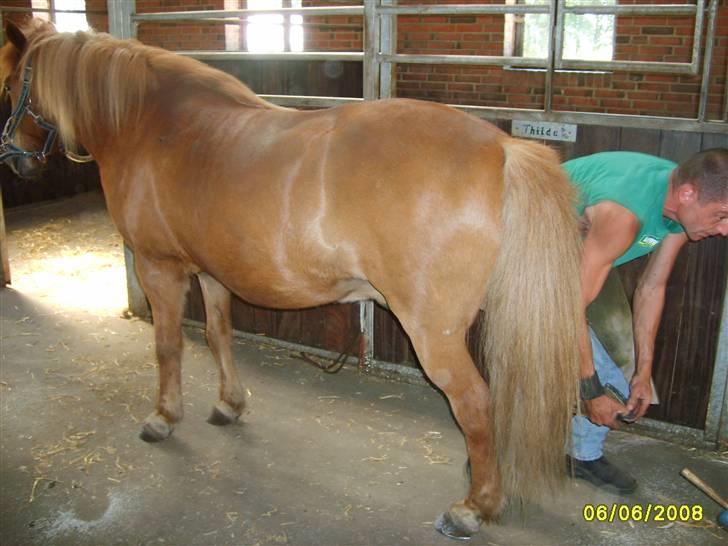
314	78
330	327
646	141
136	299
686	343
714	140
391	343
591	139
679	146
4	259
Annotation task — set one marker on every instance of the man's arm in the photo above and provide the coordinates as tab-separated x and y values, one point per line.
611	230
649	300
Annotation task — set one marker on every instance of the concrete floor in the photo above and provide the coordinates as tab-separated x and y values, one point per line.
317	459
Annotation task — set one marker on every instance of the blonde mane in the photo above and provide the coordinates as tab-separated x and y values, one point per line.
86	80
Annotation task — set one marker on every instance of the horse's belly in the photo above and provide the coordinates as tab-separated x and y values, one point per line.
287	288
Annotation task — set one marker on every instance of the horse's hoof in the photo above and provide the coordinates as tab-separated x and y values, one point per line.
222	414
155	430
445	525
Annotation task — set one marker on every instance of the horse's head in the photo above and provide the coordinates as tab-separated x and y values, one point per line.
26	138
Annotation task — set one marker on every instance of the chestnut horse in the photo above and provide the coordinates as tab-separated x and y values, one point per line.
415	205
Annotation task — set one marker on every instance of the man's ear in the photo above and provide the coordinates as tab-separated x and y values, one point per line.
687	193
15	36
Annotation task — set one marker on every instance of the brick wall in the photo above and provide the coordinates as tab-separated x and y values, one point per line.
664	38
181	35
334	33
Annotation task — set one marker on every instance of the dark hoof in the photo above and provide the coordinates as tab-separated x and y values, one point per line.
155	431
219	418
445	525
149	437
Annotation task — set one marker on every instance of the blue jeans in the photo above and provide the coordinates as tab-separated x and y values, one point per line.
587	439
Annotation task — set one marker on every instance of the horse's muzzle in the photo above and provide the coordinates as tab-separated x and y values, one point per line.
27	168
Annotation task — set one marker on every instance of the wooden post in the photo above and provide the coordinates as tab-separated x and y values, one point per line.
137	300
4	262
371	51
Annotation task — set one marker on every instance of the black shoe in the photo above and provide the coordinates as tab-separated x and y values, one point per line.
603	474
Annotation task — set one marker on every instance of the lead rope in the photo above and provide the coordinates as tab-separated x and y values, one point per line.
336	364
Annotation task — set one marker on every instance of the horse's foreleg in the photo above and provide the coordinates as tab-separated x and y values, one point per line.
166	284
448	364
219	338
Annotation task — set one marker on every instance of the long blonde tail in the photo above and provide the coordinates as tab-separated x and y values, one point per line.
533	320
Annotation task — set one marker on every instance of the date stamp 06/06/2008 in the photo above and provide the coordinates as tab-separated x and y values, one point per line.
644	513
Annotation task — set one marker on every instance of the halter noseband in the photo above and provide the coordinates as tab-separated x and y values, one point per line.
8	149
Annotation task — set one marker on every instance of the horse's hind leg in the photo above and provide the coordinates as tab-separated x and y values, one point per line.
445	358
165	284
219	338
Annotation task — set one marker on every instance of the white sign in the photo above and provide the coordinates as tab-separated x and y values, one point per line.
544	129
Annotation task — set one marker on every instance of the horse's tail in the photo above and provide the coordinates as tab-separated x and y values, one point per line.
533	320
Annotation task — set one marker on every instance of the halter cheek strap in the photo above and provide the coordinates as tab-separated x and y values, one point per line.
8	149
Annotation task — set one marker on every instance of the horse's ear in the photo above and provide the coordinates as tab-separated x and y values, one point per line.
15	36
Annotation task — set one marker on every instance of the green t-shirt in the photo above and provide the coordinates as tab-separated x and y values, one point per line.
636	181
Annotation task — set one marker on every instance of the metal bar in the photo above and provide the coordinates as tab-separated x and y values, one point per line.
533	62
595	118
287	27
722	439
467	9
120	18
559	42
371	58
629	66
388	46
462	9
284	56
697	37
716	420
707	60
236	20
526	62
366	327
191	15
297	101
725	93
556	36
634	9
11	9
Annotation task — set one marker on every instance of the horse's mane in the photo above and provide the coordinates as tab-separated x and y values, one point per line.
88	79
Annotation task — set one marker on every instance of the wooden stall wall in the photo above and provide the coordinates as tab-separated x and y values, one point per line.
330	327
317	78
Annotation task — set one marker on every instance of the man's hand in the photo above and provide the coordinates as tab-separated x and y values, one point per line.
603	411
640	396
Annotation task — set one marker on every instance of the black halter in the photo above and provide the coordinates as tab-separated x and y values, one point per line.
8	149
